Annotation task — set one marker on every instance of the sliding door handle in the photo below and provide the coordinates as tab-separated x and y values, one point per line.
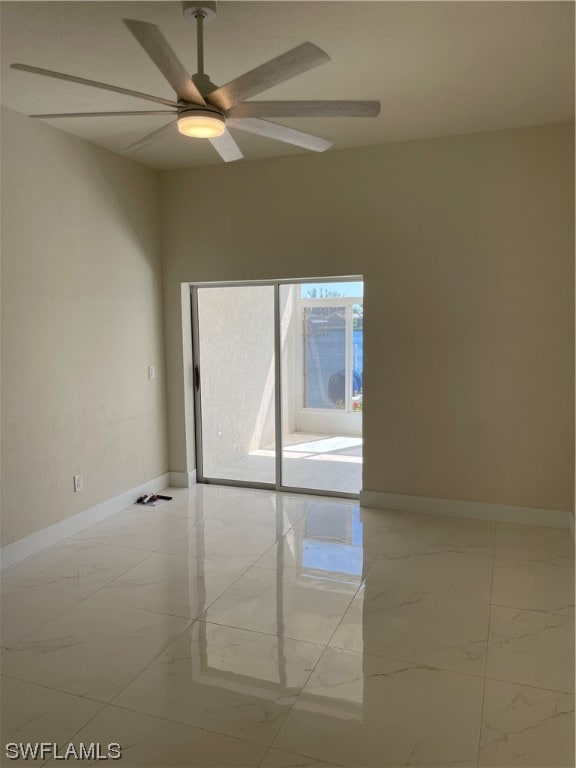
197	377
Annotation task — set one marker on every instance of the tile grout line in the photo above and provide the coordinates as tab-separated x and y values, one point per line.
50	688
326	647
175	615
296	699
173	640
185	725
162	650
312	670
251	565
111	703
300	754
356	653
487	647
57	615
92	597
163	719
86	724
60	614
149	554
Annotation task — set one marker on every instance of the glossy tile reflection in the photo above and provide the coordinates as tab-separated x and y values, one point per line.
288	604
228	680
234	628
328	541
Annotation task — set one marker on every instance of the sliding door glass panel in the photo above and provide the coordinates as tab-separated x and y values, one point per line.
357	356
322	370
324	356
237	383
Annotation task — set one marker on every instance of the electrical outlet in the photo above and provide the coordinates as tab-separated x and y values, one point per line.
78	483
151	372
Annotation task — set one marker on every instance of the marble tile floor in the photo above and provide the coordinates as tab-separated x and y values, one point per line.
233	628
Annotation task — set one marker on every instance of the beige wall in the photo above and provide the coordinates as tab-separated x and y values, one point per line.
81	321
466	247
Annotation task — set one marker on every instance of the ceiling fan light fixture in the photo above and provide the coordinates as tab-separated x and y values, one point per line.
200	106
201	123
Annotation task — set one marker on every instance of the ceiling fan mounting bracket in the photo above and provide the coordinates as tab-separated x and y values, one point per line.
203	9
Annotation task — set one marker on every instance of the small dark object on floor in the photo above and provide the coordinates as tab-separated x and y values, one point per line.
150	498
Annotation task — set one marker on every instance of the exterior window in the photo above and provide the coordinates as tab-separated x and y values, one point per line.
332	352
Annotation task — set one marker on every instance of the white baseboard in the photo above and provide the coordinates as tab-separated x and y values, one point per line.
500	513
183	479
53	534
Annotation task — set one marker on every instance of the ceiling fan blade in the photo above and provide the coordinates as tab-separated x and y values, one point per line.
159	50
306	109
109	114
150	137
277	70
279	133
93	84
227	147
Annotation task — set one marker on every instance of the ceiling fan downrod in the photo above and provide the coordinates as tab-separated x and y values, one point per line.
201	12
199	16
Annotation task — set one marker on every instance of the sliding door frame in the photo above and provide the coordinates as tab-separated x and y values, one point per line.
197	383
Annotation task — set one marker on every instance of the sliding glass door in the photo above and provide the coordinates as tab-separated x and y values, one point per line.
235	368
279	384
322	383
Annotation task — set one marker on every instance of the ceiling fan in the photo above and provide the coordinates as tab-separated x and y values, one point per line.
204	110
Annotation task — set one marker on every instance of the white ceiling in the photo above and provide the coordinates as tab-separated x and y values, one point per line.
439	68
